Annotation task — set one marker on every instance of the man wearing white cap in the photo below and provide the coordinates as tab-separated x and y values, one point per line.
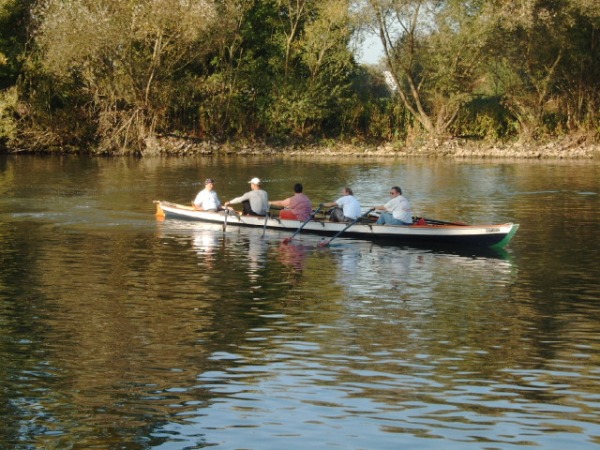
255	202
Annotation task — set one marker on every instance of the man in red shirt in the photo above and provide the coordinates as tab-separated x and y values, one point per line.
297	207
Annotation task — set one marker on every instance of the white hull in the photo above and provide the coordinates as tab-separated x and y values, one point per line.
439	233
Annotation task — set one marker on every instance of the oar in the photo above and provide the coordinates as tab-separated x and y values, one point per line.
312	216
441	222
265	225
225	219
326	243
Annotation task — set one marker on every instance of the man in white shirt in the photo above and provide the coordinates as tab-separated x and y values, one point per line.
397	211
346	208
207	199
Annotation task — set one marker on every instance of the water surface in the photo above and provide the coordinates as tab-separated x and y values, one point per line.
121	331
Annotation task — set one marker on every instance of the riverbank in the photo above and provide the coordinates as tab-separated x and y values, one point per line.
567	148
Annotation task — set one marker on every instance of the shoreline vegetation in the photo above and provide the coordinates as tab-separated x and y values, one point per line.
566	148
457	79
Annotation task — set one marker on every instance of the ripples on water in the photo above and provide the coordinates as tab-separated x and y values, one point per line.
118	331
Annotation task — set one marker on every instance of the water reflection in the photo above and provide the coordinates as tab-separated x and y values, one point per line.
293	255
183	340
205	243
120	332
351	328
360	267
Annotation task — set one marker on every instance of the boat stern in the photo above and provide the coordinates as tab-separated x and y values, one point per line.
508	237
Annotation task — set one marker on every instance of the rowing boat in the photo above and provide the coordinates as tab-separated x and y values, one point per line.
423	232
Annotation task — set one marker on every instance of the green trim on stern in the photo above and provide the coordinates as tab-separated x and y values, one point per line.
508	237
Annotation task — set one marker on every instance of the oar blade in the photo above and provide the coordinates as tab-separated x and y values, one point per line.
346	227
265	224
312	216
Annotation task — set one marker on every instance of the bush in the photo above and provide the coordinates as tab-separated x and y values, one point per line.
8	107
484	118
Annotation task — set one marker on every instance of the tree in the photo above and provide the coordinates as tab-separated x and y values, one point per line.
433	51
548	63
13	25
322	75
121	58
13	36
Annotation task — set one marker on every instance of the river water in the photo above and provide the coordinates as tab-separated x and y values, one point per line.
118	331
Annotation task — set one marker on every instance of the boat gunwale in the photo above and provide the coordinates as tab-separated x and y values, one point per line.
488	235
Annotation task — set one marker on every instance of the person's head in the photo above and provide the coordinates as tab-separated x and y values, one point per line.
395	191
347	191
255	183
297	188
209	183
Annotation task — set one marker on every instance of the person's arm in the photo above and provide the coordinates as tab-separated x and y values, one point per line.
385	207
237	200
284	203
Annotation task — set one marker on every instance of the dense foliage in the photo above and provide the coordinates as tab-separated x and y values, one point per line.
110	74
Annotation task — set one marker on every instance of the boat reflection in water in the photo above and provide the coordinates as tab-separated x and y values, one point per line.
371	270
206	243
293	254
280	314
362	267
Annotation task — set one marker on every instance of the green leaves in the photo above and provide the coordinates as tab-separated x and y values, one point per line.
117	72
125	56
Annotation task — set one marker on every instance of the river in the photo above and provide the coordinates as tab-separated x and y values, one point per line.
120	331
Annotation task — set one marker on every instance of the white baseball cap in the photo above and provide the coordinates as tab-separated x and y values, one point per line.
254	181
